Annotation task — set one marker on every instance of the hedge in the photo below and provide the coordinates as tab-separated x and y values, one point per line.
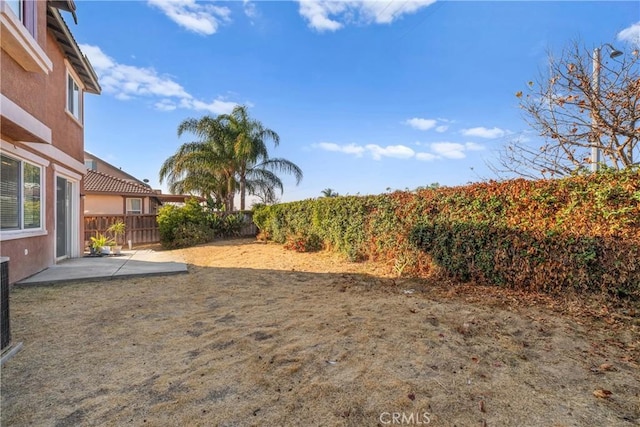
194	224
580	233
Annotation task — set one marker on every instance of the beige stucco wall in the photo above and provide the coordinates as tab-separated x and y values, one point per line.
109	204
102	205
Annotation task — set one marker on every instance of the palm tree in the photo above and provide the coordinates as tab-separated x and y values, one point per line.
202	167
329	192
250	139
231	155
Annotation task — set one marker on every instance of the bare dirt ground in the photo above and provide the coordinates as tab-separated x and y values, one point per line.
257	335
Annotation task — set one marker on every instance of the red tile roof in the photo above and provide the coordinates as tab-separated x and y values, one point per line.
98	182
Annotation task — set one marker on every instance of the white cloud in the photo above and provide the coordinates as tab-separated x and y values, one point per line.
250	9
376	151
127	81
631	34
317	13
395	151
450	150
439	125
332	15
472	146
426	157
99	59
483	132
439	150
165	105
348	149
421	124
219	106
200	18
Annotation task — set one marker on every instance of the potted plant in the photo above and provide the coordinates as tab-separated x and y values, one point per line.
92	249
100	244
117	229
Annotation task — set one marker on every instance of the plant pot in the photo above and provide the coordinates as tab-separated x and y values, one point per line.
117	249
106	250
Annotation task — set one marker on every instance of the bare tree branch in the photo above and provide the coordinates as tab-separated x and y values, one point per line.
573	115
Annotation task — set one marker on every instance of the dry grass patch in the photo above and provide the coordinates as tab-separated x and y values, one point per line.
256	335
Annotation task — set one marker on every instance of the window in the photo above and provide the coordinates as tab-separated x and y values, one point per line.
73	97
134	206
26	12
16	8
21	207
91	164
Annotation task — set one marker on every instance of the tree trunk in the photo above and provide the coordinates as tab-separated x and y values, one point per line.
231	194
243	188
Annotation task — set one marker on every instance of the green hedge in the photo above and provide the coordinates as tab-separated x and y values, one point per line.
193	224
578	233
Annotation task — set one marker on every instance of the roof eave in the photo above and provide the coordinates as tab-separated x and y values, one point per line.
117	193
67	5
118	169
78	60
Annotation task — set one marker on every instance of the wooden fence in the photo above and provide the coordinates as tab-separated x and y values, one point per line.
139	228
144	228
249	229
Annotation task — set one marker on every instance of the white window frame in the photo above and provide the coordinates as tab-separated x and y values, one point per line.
91	164
74	111
21	232
76	248
128	206
17	39
20	12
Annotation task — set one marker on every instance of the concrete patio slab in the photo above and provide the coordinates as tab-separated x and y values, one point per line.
130	263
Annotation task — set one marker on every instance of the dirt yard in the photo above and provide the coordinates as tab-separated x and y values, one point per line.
257	335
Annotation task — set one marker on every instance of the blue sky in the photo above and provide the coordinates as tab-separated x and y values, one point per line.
365	96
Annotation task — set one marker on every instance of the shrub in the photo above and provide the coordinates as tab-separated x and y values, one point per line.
184	226
304	243
191	234
232	224
216	223
580	233
194	224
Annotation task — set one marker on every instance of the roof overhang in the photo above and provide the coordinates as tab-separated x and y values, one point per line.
63	36
67	5
178	198
119	193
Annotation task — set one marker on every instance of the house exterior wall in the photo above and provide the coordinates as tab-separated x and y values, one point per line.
67	133
27	88
107	204
95	204
40	97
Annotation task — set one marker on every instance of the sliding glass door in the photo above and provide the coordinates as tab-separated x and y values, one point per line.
63	217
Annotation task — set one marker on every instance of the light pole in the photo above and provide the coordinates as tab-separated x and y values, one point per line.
595	85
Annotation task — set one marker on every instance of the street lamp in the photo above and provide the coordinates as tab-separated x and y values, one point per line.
614	53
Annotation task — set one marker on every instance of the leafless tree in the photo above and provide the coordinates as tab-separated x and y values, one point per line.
266	196
575	113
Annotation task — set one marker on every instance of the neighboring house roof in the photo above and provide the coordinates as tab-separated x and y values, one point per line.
98	182
102	162
68	44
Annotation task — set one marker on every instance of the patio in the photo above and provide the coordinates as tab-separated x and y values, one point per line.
143	262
